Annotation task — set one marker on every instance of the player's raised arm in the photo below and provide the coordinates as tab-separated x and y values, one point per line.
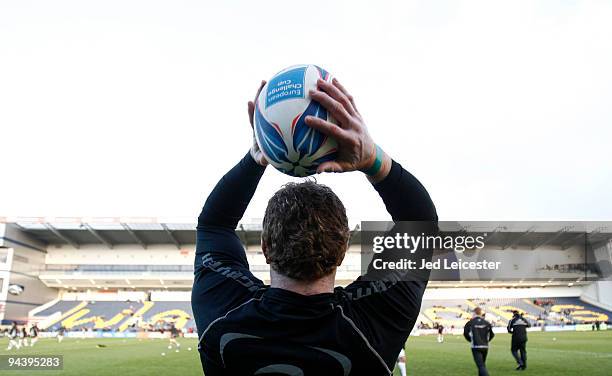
222	277
227	202
219	209
386	303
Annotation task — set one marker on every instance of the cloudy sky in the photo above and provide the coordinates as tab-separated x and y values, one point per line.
135	108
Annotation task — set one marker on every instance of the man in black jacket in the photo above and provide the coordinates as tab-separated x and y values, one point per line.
302	324
479	332
518	327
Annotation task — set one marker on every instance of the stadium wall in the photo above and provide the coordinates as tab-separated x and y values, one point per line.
136	255
599	294
25	257
120	255
63	263
525	263
101	296
495	293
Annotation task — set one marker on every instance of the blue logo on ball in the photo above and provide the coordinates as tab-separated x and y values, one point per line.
285	86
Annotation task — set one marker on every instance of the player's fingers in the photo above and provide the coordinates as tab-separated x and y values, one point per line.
261	85
331	166
337	94
327	128
251	109
261	159
251	105
334	107
345	92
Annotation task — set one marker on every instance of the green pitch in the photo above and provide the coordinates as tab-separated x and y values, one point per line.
572	353
561	353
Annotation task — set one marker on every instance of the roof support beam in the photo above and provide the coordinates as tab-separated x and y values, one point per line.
97	235
519	238
491	235
134	235
171	236
62	236
605	242
242	235
582	235
463	229
573	241
353	234
552	237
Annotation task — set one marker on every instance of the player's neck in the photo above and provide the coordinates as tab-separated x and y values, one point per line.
319	286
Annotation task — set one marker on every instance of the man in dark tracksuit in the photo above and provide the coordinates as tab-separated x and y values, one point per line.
301	324
518	327
479	332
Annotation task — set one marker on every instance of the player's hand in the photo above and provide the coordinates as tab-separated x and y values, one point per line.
356	150
256	153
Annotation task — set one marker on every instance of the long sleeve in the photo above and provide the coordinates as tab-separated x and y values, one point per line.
223	209
405	197
222	278
414	213
231	196
466	331
385	304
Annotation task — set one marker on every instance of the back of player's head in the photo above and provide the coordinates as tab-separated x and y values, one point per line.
305	231
515	313
478	311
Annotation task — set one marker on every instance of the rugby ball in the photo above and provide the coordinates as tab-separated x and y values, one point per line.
281	132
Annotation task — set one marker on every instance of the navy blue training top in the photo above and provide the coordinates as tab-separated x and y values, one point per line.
248	328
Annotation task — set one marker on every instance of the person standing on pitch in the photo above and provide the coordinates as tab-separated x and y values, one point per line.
518	327
60	334
23	337
13	336
174	334
33	334
479	332
302	324
440	333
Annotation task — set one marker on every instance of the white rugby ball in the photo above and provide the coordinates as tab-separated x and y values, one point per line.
286	141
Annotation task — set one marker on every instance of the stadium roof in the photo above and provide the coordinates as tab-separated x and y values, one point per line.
113	231
107	232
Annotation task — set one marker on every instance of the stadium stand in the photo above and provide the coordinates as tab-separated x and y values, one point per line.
116	316
152	316
132	276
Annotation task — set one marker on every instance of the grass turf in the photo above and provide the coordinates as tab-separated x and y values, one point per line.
572	353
